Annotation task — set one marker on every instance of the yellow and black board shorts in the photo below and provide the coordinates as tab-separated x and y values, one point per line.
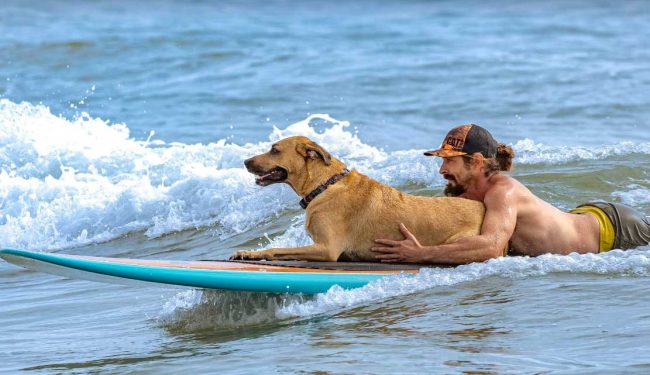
621	226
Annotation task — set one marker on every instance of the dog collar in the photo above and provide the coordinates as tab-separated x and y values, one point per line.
332	180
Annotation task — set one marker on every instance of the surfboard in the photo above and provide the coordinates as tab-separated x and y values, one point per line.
256	276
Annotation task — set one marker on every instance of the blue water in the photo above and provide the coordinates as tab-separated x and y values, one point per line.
565	72
123	130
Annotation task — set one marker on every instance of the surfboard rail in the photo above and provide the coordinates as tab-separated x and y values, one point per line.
270	277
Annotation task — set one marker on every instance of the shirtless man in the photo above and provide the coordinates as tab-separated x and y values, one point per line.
516	221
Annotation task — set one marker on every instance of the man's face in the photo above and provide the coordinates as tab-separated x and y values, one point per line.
458	175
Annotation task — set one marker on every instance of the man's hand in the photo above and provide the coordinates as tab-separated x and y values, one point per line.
245	255
407	250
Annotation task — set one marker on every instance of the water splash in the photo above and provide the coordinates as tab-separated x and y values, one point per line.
214	310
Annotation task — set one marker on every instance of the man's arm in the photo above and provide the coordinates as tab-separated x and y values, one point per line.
498	226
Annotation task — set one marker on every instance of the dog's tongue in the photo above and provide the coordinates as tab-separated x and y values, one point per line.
274	174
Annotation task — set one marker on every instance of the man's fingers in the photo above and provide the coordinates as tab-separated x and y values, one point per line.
406	232
387	242
386	254
387	257
381	249
240	255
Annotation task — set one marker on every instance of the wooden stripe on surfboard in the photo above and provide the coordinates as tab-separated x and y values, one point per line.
259	266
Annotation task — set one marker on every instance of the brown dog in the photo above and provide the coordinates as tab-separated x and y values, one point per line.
353	210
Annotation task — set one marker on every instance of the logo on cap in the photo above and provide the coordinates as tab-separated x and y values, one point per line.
466	139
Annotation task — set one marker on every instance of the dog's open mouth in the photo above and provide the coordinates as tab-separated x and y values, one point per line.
278	174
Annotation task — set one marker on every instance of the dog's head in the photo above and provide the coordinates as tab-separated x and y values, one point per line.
287	159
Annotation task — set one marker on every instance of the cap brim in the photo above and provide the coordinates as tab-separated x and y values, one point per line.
444	153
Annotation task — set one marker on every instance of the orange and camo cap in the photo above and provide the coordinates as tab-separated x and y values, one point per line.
467	140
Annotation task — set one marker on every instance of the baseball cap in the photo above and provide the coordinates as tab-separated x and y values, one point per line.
466	140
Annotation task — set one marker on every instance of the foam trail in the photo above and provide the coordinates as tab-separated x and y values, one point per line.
195	311
613	263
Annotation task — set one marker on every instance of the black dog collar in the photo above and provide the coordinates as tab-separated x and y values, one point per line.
332	180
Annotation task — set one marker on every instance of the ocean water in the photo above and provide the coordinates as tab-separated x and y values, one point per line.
123	131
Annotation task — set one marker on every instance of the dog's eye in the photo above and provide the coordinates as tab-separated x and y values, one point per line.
274	150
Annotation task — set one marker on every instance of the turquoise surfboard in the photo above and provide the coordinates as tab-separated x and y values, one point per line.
258	276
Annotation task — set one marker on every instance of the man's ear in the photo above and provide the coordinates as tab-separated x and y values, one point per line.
313	151
478	160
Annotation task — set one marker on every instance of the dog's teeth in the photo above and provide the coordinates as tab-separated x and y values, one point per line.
268	178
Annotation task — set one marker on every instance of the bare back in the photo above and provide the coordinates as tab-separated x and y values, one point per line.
541	228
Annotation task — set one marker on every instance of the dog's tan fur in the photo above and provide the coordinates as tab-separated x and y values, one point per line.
345	219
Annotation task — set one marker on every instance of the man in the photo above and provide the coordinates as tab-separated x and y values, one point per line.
516	221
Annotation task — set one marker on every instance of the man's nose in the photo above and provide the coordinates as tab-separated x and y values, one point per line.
443	168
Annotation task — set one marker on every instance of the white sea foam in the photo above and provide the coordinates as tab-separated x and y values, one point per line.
294	236
613	263
530	152
181	301
66	183
635	195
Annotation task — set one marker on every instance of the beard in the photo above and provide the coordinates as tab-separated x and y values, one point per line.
454	190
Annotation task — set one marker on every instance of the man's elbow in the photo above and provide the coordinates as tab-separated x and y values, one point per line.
497	253
494	251
495	246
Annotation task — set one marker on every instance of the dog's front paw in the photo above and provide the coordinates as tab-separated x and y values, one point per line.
244	255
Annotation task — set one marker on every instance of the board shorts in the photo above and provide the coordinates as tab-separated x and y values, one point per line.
621	226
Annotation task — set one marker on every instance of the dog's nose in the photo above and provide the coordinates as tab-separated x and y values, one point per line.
248	163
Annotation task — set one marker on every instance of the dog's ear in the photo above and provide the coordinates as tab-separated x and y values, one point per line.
313	151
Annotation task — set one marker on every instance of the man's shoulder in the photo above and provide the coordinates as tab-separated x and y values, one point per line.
503	182
502	188
506	188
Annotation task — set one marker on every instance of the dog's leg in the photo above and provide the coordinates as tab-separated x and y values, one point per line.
314	253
